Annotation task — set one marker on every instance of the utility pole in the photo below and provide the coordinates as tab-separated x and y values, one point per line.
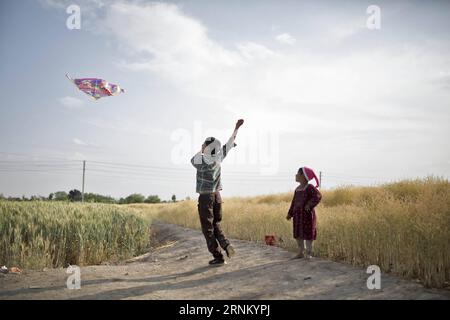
82	187
320	178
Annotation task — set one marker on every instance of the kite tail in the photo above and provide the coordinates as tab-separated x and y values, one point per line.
68	77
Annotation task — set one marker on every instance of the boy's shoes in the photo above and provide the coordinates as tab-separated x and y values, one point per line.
299	256
217	262
309	257
230	251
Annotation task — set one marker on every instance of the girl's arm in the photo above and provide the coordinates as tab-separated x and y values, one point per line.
291	209
315	197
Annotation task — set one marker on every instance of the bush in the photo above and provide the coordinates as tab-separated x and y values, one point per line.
135	198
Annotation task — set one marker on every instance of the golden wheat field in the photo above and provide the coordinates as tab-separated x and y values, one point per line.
402	227
51	234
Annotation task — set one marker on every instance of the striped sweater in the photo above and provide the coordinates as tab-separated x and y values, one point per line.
208	169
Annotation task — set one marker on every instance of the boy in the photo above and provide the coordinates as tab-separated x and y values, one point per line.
208	162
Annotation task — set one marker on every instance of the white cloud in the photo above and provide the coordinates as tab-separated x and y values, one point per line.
329	92
340	30
86	5
129	126
251	50
442	79
285	38
82	143
54	4
71	102
338	91
250	79
274	27
173	39
79	142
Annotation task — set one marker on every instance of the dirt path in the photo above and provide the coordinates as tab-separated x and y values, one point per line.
179	270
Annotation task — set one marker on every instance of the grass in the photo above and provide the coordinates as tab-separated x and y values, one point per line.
48	234
402	227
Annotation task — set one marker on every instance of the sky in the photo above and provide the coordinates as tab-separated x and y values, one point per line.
315	85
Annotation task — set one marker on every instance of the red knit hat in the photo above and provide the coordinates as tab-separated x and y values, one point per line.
309	174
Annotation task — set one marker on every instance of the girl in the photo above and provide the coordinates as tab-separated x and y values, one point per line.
306	197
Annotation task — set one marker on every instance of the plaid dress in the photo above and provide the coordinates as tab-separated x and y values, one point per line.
304	222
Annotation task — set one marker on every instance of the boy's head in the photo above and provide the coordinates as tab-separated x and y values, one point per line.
212	144
300	177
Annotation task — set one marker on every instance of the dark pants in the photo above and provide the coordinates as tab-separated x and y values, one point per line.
210	211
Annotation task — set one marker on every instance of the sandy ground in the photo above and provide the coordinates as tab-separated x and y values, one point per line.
178	269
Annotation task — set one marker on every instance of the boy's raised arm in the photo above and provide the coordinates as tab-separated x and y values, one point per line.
239	123
230	143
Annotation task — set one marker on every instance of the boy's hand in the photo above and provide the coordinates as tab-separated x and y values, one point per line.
239	123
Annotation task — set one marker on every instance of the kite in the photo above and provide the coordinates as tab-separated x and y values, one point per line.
96	88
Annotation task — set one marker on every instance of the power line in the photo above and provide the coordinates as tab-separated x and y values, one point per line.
161	168
150	173
12	167
35	156
132	169
156	173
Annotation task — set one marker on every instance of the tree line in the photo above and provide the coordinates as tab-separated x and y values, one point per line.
76	196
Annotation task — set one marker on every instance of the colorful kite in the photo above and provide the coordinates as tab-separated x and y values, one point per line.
96	88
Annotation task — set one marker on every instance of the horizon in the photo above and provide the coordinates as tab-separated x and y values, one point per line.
315	86
336	187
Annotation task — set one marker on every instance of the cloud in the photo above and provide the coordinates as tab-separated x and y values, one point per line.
285	38
340	30
248	78
251	50
274	27
253	80
178	45
130	126
91	10
86	5
79	142
82	143
53	4
442	80
71	102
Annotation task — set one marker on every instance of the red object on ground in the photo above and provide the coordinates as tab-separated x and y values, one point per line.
270	240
